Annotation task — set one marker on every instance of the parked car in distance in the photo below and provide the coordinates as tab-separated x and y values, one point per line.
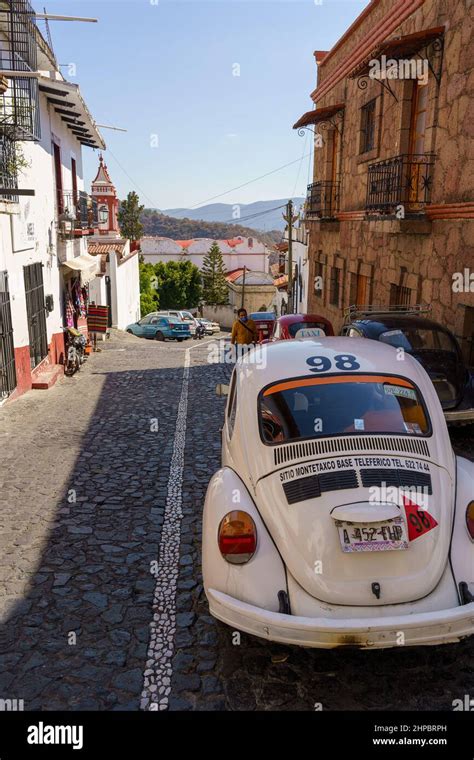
432	344
183	315
209	326
355	519
264	321
291	326
155	326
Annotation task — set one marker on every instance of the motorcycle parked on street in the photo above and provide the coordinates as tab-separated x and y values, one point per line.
75	350
200	330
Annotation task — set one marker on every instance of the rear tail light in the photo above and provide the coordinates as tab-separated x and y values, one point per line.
237	537
470	519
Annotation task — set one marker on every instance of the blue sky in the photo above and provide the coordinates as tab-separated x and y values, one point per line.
165	71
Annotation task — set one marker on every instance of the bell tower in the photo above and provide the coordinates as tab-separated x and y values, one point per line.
104	192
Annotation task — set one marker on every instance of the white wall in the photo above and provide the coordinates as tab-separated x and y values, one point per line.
37	214
98	291
155	249
125	284
300	258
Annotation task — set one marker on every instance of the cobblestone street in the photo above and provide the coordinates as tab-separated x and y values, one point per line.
85	490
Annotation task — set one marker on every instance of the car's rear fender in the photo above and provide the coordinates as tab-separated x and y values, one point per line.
259	580
462	548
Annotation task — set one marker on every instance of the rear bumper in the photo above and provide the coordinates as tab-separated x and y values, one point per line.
440	627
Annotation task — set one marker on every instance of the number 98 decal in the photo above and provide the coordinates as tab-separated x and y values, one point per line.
345	362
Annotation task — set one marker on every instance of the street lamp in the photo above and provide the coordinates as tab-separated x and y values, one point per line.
66	223
103	215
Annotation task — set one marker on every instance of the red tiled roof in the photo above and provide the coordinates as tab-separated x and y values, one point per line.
281	281
99	248
232	276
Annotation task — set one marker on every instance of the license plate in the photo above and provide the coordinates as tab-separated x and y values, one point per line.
388	535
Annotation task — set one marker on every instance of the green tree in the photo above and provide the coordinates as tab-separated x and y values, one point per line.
178	284
129	217
149	298
214	284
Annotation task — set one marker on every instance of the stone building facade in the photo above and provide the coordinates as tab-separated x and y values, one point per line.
390	210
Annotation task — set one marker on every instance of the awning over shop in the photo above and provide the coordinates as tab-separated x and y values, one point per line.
87	265
398	48
317	115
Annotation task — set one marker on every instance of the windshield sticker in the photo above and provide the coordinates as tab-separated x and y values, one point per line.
358	424
399	390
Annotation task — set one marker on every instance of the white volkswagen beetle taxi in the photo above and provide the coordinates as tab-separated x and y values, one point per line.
340	515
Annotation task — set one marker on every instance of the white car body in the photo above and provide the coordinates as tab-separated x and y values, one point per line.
210	327
332	594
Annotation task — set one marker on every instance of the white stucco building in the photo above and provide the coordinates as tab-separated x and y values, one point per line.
236	252
45	215
300	268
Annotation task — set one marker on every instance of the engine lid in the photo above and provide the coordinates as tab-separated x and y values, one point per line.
308	514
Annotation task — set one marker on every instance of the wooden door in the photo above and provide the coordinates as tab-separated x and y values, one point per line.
417	166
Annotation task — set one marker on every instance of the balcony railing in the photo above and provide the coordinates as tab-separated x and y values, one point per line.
403	180
322	200
19	102
8	172
77	213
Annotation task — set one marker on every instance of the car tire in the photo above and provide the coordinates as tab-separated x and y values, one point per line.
159	336
180	340
130	332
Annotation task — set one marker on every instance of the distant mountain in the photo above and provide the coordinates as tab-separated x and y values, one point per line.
225	212
156	223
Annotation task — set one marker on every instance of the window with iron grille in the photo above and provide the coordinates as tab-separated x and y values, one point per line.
19	101
335	286
367	127
8	173
399	295
36	312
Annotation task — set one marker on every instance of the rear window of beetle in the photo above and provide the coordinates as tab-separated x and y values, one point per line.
341	405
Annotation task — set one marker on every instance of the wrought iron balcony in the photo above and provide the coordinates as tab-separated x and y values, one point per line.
77	213
322	200
403	180
19	102
8	172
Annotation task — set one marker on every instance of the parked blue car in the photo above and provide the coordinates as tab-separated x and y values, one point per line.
157	327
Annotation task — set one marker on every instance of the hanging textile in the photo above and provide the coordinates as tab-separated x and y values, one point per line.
97	319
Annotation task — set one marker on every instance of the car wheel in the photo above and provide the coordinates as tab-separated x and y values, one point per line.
159	336
130	332
180	340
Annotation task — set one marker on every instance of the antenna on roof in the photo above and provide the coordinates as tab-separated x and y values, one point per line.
48	33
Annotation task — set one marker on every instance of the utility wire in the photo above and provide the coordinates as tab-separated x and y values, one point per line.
279	168
252	216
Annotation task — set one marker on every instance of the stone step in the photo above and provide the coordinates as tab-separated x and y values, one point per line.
47	377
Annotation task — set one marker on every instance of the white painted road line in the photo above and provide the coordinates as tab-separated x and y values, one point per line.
158	670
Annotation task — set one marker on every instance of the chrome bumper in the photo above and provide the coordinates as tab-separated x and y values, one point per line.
440	627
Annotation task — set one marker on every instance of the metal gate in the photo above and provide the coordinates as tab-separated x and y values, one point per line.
7	352
36	313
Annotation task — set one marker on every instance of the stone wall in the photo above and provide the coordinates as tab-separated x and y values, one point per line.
423	251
